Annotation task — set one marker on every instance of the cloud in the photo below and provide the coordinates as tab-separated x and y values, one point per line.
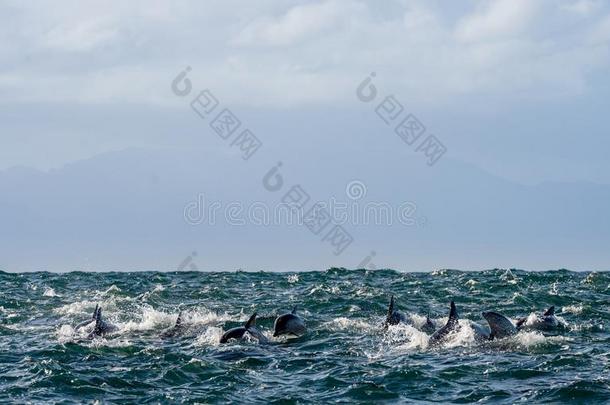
276	54
600	33
298	23
582	7
81	36
499	19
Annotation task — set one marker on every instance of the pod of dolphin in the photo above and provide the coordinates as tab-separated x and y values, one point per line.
291	324
499	327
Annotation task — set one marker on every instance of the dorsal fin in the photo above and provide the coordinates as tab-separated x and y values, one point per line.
388	318
391	307
95	311
98	321
294	310
550	311
179	320
251	322
453	315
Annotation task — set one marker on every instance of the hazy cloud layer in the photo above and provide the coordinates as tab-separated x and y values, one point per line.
300	52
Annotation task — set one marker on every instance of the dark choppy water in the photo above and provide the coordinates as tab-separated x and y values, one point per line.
344	358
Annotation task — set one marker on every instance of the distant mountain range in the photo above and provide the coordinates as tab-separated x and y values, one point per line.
125	211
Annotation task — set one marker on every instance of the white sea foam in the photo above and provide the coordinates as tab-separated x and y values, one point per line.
158	288
49	292
109	342
364	292
112	289
342	323
151	319
67	333
532	339
509	277
464	336
419	321
403	337
322	287
589	278
209	337
77	307
573	309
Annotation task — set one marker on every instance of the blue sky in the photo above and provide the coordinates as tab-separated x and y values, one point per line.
514	89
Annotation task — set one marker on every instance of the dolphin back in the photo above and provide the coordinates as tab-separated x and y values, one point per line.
289	324
239	332
235	333
499	325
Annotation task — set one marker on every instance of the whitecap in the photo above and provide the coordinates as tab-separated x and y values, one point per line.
78	307
112	289
151	319
209	337
509	277
65	334
573	309
342	323
49	292
404	337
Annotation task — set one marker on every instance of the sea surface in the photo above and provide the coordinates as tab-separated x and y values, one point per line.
345	357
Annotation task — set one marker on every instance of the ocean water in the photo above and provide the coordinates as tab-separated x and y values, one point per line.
345	356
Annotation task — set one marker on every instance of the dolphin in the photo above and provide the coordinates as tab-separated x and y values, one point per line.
177	329
500	325
429	326
89	321
102	328
239	332
394	317
546	321
451	326
289	324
